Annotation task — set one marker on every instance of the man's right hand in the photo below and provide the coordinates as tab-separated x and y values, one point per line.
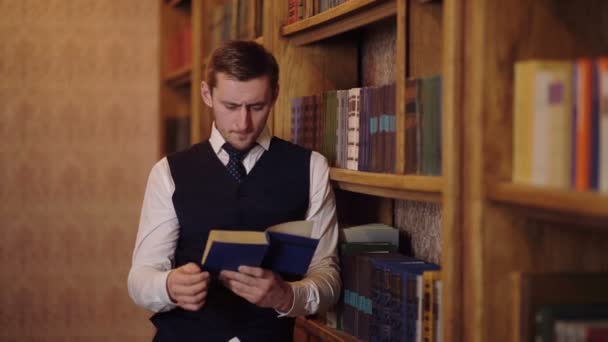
187	286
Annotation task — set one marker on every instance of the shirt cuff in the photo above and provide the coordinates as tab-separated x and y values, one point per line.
160	282
300	298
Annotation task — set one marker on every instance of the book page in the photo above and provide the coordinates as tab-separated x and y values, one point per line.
234	236
299	228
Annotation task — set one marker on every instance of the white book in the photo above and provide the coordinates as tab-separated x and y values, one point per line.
551	139
354	102
375	232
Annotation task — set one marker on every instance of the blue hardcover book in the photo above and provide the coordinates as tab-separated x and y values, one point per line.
405	308
286	248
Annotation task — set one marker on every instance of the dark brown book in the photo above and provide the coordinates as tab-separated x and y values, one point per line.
412	128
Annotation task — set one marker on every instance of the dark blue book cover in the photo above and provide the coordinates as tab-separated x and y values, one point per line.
282	248
229	256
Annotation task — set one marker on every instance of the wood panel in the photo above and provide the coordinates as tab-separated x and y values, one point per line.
561	202
452	259
312	330
425	39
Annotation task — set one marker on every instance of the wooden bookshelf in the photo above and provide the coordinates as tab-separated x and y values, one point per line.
409	187
567	202
179	77
342	18
490	229
308	329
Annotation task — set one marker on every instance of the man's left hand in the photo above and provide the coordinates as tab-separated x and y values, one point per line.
259	286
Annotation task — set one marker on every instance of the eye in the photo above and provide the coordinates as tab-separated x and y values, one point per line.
231	107
257	108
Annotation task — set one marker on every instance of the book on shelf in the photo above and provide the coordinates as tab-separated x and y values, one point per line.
533	291
548	316
413	112
352	139
543	106
581	331
431	125
397	297
370	233
285	248
355	128
560	123
602	93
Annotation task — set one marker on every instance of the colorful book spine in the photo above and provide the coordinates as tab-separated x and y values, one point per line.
602	70
582	137
354	112
412	123
551	119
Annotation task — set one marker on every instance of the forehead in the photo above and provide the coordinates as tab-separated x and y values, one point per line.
230	89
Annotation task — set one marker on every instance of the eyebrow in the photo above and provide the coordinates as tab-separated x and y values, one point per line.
228	103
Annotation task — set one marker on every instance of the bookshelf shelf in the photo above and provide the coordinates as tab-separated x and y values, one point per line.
571	202
320	331
174	3
179	77
343	18
410	187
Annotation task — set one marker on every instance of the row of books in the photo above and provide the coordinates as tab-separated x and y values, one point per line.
179	49
246	20
572	323
301	9
560	135
220	26
356	128
561	306
387	296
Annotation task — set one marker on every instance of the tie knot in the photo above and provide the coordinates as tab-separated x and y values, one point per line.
234	153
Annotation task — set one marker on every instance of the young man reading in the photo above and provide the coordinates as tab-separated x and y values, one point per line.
242	178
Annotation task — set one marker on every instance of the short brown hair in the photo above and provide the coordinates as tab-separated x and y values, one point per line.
242	60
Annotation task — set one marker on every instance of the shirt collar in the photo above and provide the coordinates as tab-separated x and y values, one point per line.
217	140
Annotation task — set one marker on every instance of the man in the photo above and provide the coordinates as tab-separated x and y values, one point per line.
241	178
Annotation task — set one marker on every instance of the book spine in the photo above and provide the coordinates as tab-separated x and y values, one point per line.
603	118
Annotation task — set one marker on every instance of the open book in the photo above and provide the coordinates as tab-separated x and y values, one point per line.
284	248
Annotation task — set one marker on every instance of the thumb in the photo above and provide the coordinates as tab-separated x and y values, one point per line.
191	268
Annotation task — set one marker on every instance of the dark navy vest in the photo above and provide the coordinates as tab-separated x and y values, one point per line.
206	197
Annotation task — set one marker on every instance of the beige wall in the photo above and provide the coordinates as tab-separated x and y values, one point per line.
78	135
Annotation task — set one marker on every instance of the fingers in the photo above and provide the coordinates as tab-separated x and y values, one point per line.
190	290
190	268
187	286
253	271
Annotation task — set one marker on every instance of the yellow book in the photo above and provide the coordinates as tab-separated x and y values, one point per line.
522	122
542	123
430	306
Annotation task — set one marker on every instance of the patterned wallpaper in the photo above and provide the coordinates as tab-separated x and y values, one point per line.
78	135
421	222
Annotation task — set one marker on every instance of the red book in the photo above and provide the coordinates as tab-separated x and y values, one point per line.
582	134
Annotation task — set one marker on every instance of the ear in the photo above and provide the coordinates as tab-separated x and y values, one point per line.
206	94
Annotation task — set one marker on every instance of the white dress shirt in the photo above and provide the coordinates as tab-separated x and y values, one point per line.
153	255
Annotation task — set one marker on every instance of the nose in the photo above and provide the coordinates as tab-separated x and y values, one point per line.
243	119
